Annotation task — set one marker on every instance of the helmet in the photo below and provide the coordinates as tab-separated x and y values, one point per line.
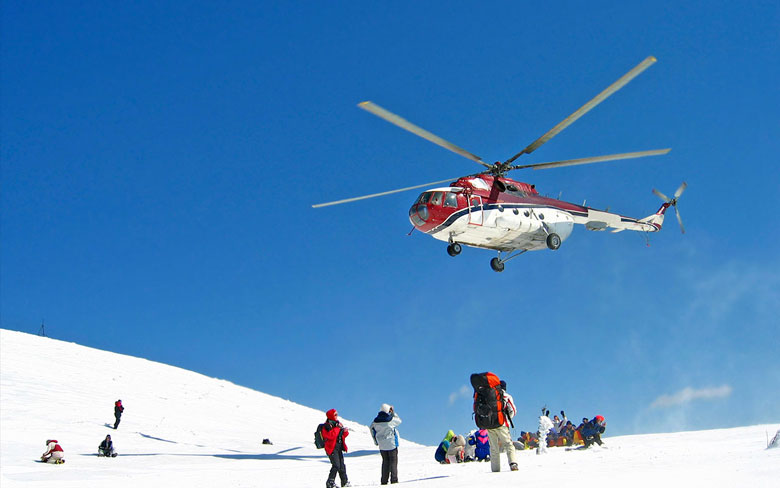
599	418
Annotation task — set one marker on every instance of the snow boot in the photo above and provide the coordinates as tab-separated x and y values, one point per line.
513	467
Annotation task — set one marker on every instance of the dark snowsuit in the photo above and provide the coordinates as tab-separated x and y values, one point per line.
591	432
118	409
106	448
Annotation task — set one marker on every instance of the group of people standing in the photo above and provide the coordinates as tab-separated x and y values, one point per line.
384	433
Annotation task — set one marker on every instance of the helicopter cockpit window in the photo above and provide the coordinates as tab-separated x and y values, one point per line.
424	197
437	198
451	200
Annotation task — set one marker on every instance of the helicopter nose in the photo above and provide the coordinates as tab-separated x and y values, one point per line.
418	214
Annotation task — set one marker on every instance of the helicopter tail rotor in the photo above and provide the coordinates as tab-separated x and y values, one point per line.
673	202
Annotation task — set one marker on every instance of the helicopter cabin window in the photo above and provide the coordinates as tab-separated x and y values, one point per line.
437	198
451	200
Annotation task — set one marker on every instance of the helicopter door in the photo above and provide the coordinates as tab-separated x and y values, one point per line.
475	210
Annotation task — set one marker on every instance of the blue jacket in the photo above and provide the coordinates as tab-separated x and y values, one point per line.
383	430
592	428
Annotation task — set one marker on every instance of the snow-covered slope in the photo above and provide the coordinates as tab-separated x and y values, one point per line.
184	429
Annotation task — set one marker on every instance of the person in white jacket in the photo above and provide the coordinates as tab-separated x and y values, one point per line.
385	435
500	438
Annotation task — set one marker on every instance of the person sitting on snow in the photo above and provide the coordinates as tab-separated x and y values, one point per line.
456	452
482	451
471	446
106	448
54	453
444	445
567	432
591	432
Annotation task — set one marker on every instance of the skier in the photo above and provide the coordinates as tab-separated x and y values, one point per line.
118	409
106	448
335	435
545	424
54	453
385	435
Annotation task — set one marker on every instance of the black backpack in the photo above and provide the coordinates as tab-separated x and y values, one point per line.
488	400
319	441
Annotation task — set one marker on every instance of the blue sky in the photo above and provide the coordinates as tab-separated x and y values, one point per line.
160	160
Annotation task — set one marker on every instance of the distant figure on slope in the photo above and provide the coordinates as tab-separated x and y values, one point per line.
545	424
118	409
335	446
106	448
444	445
54	453
591	432
383	430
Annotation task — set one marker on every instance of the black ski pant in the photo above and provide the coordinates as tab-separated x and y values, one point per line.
337	466
590	440
116	424
389	466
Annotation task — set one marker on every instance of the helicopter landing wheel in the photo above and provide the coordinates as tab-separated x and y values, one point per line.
497	265
553	241
454	249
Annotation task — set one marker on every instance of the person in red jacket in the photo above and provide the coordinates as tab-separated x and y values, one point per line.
335	446
54	453
118	409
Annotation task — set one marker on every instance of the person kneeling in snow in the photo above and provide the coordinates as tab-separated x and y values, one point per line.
591	431
54	453
106	448
457	452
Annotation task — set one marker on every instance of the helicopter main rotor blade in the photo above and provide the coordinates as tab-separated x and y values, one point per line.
594	159
622	81
419	131
381	194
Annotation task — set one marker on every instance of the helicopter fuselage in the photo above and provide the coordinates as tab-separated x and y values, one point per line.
508	215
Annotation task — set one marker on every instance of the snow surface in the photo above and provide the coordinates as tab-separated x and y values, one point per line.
182	429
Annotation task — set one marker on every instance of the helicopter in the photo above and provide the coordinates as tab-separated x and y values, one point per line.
488	210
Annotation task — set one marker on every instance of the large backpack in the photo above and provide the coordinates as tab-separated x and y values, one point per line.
488	400
319	441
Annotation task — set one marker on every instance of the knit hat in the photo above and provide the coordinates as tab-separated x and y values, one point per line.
385	408
332	414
